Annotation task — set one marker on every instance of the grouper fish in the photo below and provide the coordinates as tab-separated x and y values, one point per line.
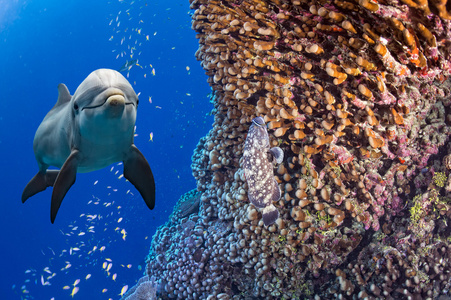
258	165
88	131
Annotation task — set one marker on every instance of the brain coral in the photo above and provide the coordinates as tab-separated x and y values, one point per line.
356	93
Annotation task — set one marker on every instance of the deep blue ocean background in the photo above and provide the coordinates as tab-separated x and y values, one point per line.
102	219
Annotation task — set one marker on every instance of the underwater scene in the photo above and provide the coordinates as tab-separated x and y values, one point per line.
282	149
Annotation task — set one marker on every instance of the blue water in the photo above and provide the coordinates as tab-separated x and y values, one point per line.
44	43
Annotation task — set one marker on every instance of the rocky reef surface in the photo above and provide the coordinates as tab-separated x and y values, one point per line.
357	95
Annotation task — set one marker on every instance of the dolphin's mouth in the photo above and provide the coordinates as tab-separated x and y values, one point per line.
113	100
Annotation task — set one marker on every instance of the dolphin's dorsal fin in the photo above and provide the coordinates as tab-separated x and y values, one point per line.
63	95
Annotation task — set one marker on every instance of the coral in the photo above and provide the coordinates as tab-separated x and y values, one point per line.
339	90
356	94
145	289
416	210
440	179
447	161
187	205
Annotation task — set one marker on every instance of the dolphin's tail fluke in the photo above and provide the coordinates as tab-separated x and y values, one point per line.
38	183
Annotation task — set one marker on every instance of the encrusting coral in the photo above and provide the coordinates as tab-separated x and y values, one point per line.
145	289
357	95
187	205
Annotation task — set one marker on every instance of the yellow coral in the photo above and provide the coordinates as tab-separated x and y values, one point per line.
439	179
416	210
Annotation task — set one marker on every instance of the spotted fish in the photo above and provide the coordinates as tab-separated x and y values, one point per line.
258	165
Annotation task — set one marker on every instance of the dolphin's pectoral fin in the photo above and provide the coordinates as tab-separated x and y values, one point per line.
138	172
38	183
63	182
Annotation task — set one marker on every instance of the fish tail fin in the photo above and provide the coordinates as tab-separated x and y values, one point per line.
270	215
38	183
277	154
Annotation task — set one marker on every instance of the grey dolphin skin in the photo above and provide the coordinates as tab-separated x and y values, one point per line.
86	132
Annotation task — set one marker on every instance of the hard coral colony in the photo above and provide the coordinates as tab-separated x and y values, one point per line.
356	94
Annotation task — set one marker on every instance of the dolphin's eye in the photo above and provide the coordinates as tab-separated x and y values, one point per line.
137	102
75	106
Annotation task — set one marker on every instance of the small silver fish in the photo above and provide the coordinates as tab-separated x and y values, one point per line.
258	165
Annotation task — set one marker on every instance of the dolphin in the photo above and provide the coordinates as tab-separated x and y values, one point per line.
86	132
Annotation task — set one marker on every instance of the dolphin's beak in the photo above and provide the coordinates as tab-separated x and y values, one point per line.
115	105
115	100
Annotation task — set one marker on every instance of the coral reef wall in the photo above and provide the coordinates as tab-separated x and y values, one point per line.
357	94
